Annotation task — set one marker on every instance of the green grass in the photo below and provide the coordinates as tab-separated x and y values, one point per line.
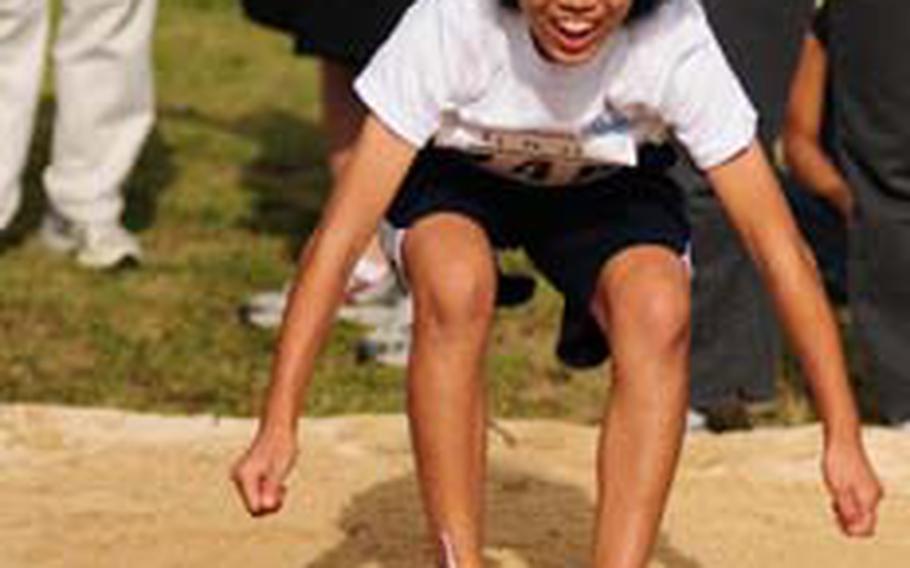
229	184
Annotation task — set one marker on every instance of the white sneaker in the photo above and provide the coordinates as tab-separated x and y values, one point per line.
97	245
368	300
266	310
108	246
371	283
269	300
696	421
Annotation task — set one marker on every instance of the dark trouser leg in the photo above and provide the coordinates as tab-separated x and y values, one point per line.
735	341
879	272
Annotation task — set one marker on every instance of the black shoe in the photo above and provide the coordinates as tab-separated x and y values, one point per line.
513	290
727	415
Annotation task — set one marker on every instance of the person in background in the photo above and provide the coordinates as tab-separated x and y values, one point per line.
847	135
104	111
808	134
344	35
819	193
735	339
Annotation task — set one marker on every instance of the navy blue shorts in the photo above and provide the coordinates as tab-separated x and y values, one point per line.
569	232
347	31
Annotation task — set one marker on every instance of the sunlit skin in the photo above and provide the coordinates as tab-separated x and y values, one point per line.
571	32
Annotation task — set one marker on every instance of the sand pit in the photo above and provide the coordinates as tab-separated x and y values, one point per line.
85	488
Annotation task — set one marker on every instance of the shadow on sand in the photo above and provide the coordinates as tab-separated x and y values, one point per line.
531	521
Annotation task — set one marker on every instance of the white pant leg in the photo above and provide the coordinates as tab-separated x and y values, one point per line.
105	104
23	33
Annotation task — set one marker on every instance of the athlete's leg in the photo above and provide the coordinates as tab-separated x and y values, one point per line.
450	268
642	301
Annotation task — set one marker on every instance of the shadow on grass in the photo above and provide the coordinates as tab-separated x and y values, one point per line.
540	523
151	176
286	177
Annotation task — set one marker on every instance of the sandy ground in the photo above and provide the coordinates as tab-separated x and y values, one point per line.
86	488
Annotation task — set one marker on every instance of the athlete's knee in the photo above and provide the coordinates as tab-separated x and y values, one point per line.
663	311
657	310
460	299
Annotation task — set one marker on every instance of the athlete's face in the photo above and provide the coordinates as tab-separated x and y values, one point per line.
571	31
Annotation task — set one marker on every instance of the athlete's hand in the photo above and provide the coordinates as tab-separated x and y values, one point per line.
260	473
854	488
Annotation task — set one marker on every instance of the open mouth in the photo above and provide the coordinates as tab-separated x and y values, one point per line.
574	35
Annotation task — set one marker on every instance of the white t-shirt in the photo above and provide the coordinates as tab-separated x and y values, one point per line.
465	74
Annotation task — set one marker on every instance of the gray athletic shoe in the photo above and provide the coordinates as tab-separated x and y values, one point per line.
377	315
99	246
367	305
390	343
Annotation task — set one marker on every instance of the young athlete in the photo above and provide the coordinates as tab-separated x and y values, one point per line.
544	125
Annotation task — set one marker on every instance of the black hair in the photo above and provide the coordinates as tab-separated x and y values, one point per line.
639	9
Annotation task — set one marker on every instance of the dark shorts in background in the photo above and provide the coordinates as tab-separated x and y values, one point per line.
825	231
569	233
346	31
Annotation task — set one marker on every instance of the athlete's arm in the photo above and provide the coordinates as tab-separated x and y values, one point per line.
802	134
358	201
754	203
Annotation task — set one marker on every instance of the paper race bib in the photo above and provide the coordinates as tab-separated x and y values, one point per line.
544	158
